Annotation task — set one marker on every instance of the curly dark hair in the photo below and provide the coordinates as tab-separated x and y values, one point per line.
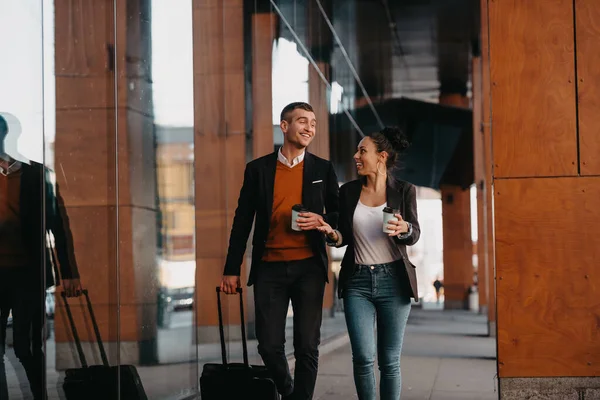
393	141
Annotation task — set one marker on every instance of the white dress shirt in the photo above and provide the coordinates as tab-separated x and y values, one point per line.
281	158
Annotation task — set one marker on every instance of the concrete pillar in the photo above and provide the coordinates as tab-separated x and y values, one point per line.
219	145
104	165
456	220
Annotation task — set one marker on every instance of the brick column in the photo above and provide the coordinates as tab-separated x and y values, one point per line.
220	152
104	158
456	220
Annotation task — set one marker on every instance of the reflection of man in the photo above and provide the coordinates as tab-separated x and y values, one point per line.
286	264
29	209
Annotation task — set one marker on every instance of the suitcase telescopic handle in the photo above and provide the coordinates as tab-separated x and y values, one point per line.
242	324
76	335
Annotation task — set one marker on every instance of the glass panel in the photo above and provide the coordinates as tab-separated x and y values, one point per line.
52	228
156	75
26	286
82	208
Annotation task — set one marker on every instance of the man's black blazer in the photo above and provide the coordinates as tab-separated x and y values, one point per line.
400	195
319	195
42	211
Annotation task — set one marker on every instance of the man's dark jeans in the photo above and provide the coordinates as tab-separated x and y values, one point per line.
27	304
302	282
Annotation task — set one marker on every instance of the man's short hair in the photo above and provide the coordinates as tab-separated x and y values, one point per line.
285	113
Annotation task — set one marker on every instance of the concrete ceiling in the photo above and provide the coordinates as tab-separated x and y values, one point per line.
387	48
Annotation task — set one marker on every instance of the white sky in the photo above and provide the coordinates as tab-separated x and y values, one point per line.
22	73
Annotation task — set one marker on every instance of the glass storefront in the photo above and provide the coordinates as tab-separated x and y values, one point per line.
128	125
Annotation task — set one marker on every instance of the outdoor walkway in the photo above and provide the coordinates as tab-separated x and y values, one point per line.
446	356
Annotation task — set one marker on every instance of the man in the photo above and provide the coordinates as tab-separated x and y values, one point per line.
29	209
286	264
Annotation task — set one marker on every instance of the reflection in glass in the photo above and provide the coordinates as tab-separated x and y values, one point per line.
27	195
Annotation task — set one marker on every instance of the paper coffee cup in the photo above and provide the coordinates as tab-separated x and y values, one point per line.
388	215
297	209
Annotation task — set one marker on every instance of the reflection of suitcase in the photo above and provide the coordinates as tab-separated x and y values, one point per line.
233	381
99	382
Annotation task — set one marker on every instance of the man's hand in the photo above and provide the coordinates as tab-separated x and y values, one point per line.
308	221
72	287
230	283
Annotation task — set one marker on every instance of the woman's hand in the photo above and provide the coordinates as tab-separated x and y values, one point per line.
328	230
399	227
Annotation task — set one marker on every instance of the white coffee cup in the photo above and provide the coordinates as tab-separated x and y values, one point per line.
297	209
388	215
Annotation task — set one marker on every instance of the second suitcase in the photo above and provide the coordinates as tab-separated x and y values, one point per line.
99	382
234	381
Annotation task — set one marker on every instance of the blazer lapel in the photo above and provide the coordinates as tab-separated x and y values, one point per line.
307	175
269	182
353	198
394	196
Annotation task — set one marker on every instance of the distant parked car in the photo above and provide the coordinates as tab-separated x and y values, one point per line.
177	289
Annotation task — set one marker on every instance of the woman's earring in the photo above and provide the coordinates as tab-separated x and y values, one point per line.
378	171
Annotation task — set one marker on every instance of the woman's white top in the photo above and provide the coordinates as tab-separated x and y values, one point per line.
371	244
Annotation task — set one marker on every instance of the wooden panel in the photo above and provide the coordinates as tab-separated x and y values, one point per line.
548	280
533	88
317	96
263	32
488	161
219	102
588	58
83	32
479	172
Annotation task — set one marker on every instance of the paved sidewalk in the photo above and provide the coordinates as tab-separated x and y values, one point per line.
446	356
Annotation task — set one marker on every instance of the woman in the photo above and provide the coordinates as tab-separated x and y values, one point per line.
376	279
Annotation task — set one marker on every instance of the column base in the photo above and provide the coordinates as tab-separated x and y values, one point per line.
557	388
492	328
455	305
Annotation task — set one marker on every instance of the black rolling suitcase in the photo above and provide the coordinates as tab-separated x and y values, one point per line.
234	381
99	382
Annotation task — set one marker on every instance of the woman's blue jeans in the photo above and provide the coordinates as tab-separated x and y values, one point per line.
374	295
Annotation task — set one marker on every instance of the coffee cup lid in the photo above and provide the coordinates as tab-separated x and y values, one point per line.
299	208
389	210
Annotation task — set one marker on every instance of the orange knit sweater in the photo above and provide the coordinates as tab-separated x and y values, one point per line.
283	243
